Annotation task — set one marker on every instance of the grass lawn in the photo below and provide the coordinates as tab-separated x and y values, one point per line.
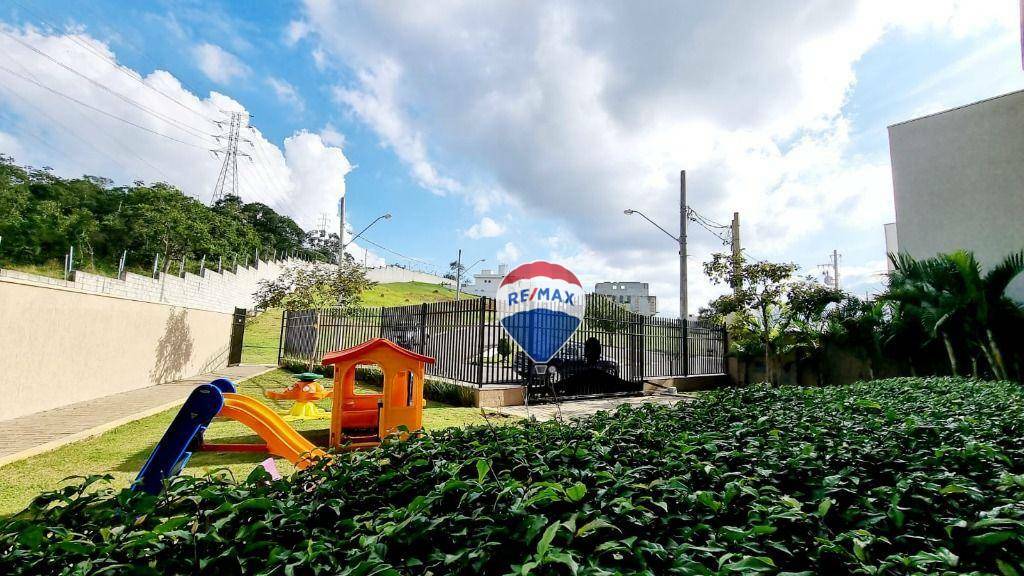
262	334
122	451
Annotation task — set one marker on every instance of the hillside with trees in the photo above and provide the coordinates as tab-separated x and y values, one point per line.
43	215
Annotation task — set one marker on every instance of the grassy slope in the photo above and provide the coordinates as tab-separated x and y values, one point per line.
122	451
262	335
263	332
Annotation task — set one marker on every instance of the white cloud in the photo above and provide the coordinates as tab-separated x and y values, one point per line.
509	254
485	228
286	93
332	137
218	64
376	105
295	31
578	110
303	180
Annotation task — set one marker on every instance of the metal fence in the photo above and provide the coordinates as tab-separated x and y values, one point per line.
470	345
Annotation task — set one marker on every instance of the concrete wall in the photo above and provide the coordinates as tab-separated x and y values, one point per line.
62	345
389	274
958	178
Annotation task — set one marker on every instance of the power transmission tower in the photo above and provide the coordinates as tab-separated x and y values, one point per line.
322	224
229	168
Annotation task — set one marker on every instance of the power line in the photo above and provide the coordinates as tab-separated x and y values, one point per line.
399	254
172	121
74	38
95	109
87	142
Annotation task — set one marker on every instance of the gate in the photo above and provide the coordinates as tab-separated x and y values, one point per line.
470	346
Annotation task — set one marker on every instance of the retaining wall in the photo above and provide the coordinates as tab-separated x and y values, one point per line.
388	274
218	292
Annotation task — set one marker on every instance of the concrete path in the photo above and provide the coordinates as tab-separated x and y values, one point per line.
41	432
577	408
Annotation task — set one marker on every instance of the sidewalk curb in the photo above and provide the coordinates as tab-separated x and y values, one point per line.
106	427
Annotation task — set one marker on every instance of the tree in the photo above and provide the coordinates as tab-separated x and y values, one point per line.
757	303
42	216
456	270
807	308
958	304
314	286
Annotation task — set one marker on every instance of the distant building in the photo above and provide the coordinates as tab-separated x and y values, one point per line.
485	283
634	296
958	180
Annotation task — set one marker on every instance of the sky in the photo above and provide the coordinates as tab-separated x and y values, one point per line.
515	131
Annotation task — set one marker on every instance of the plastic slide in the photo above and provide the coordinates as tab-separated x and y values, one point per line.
172	451
282	440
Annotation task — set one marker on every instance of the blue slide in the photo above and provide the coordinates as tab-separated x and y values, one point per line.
172	451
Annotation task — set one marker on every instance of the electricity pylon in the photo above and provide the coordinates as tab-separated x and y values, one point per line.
229	168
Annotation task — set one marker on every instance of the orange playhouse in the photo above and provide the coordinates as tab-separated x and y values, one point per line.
363	419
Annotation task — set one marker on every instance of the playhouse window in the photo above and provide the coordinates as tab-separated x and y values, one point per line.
369	378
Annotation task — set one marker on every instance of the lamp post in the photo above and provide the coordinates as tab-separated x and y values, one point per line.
681	240
341	253
458	280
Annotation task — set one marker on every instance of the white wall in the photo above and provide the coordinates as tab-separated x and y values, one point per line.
213	291
390	274
958	178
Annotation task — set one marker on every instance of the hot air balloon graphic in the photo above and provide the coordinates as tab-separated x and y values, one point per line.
540	305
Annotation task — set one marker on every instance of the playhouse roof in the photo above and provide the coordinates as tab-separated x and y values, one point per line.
366	347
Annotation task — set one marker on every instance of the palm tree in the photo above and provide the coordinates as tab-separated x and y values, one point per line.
955	301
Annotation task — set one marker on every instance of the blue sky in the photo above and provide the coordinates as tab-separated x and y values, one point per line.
521	131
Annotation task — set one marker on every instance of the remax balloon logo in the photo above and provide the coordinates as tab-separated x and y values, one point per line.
540	305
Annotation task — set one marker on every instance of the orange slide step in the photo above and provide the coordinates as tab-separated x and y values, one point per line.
282	440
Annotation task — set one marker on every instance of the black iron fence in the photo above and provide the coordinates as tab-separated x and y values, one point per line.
470	345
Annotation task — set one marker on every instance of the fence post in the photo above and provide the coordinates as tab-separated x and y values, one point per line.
642	347
480	366
725	349
685	326
423	328
280	340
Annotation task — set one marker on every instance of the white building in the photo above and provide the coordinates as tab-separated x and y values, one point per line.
958	180
634	296
485	282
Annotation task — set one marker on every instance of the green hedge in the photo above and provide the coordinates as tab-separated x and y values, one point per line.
903	476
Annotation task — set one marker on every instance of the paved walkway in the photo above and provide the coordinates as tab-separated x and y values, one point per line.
41	432
577	408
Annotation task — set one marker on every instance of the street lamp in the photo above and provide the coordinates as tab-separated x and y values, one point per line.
460	271
385	216
681	240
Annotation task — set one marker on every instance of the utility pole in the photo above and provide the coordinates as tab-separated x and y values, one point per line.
737	255
683	306
229	168
458	276
834	265
341	230
835	268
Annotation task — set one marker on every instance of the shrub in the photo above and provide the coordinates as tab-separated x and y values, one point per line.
904	476
449	393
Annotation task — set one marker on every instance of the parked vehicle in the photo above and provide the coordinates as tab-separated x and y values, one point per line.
569	360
